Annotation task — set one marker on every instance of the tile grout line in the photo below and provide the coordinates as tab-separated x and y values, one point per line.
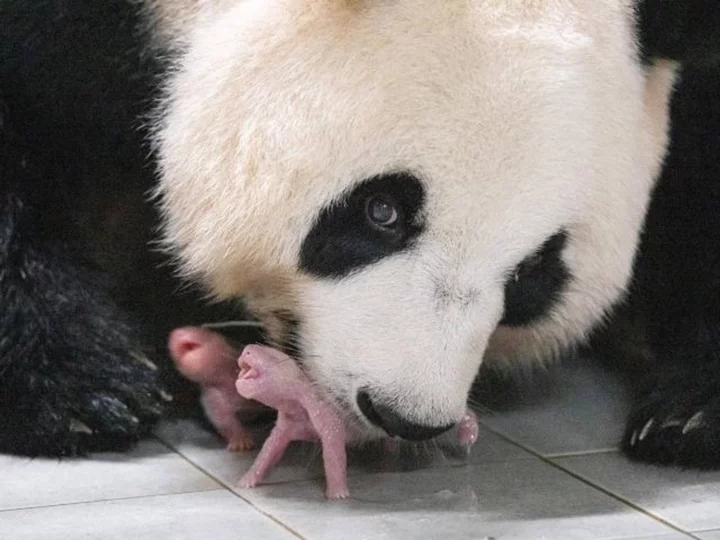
582	453
703	531
231	491
533	453
112	499
589	483
274	482
619	498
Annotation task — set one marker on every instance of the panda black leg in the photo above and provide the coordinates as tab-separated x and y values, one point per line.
676	416
71	379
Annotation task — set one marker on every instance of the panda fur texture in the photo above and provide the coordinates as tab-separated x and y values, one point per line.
676	291
399	191
85	306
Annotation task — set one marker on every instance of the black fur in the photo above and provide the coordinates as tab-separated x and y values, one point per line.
671	322
72	377
684	30
677	288
82	298
536	285
343	239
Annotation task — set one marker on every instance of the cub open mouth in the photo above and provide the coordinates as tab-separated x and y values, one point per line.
247	371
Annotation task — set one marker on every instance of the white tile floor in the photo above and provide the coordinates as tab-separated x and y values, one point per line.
542	471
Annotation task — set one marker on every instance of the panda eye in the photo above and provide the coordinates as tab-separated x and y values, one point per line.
383	215
381	211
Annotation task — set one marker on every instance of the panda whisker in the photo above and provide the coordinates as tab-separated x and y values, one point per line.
478	406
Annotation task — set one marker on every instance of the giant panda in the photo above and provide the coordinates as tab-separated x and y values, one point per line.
404	191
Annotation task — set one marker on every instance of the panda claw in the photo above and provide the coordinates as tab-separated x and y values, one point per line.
76	426
144	360
685	427
646	429
634	438
693	423
671	423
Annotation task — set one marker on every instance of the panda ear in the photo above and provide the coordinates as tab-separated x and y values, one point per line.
682	30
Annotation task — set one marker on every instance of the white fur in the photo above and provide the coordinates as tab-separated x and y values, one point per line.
521	117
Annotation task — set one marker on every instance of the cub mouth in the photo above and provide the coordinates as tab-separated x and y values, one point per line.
247	372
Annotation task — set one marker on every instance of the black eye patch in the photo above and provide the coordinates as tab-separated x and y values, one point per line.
345	238
536	284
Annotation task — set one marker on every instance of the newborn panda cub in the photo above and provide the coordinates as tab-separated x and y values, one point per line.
275	379
263	375
206	358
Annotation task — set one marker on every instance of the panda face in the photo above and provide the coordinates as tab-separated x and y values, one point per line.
401	189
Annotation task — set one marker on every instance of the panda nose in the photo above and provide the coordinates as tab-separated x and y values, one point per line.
394	424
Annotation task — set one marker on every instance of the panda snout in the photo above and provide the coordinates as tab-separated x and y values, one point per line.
395	424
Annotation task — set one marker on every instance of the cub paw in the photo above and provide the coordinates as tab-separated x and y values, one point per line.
241	443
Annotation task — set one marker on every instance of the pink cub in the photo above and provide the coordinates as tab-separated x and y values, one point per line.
274	379
206	358
266	376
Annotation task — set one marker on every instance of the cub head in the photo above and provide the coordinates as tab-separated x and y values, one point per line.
401	189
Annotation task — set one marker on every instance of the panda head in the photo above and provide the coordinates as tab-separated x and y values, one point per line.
401	189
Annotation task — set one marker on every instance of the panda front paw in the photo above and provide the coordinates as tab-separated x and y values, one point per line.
112	417
103	402
71	379
677	421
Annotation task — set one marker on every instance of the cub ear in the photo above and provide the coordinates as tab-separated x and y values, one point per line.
687	31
